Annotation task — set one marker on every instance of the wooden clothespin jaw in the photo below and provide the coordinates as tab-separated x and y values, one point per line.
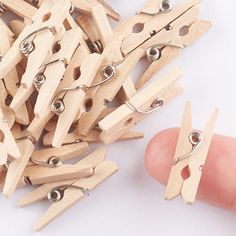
64	103
18	7
144	102
64	194
8	147
85	6
191	152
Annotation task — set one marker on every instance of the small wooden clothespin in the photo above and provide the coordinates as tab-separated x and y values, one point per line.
36	42
150	24
144	102
64	103
18	7
191	152
66	193
166	45
114	69
8	146
10	81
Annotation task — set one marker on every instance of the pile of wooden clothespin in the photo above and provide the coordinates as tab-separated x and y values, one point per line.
65	82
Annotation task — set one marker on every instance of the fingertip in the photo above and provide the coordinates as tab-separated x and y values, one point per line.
159	154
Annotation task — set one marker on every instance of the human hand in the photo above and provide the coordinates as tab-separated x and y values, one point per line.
218	183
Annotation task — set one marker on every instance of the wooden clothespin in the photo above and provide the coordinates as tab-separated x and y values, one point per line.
146	24
166	45
191	152
114	69
10	81
144	102
85	6
73	98
8	146
36	42
105	34
66	193
18	7
47	82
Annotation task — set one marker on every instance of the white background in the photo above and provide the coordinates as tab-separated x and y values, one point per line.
131	203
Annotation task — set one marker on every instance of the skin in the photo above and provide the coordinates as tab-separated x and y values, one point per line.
218	182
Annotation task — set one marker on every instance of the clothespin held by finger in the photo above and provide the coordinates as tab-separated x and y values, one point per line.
190	157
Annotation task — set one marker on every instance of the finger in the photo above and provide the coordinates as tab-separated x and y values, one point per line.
218	183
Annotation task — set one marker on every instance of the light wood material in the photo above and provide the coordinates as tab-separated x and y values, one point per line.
41	175
17	167
177	185
124	118
93	137
94	159
11	79
85	6
8	145
20	8
73	100
71	196
17	27
7	112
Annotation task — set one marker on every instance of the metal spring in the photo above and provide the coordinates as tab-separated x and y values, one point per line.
195	138
72	8
165	6
38	81
108	73
97	46
154	52
3	8
52	162
40	78
156	104
27	46
57	194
